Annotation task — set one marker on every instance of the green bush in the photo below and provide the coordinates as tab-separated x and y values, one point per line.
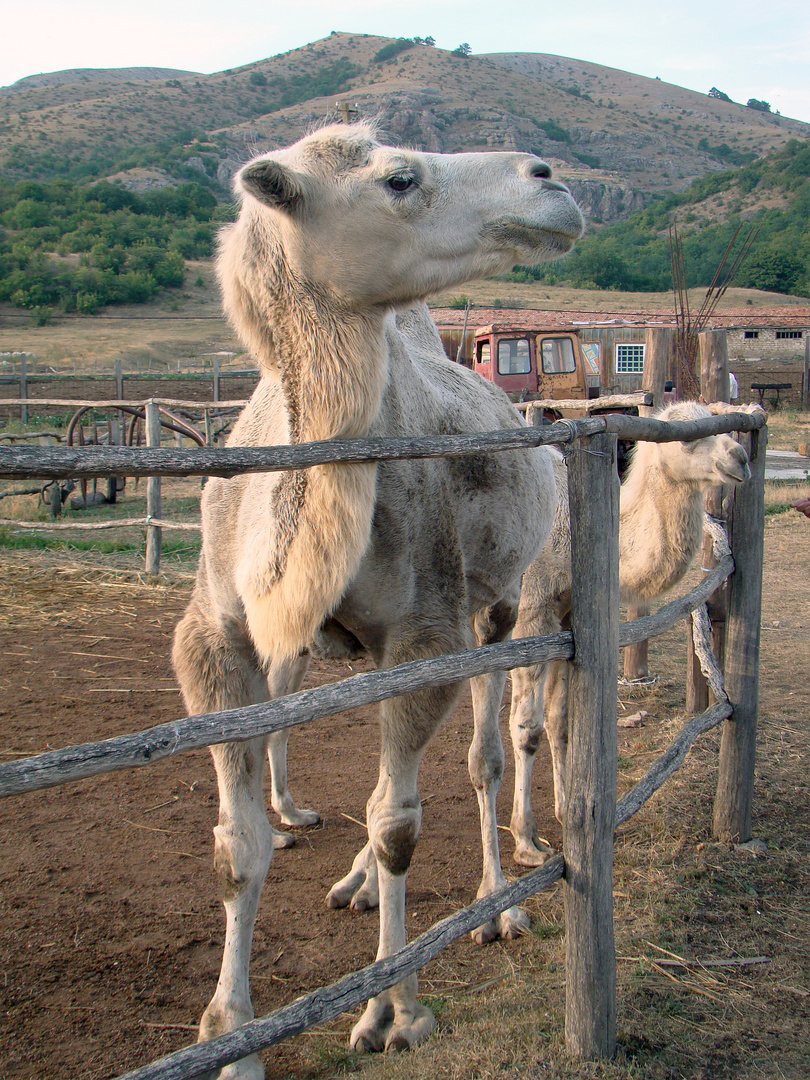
388	52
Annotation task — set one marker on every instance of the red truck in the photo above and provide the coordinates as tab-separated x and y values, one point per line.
531	365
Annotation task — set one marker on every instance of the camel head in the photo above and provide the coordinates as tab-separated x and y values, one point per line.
369	224
717	459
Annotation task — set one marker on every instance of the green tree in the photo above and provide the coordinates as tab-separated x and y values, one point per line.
773	270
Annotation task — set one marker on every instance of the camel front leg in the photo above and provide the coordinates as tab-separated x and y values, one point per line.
555	699
285	678
485	761
243	851
217	668
526	723
394	1019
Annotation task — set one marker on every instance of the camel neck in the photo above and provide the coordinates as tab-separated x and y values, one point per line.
659	529
333	367
331	362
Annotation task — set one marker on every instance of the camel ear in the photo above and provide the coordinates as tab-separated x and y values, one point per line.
272	184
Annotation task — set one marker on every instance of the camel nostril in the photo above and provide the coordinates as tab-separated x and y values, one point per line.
540	170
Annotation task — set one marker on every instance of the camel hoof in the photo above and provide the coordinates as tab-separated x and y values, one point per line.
510	924
391	1029
360	887
533	855
282	839
300	817
249	1068
483	935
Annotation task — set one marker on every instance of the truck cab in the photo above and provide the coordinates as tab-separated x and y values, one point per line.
527	364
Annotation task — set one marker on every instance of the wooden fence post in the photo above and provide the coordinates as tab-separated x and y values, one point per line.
714	386
23	388
735	784
658	350
119	390
216	378
154	533
590	783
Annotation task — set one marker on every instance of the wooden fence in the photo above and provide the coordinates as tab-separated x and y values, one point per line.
592	813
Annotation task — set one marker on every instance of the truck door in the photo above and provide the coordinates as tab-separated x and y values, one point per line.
558	375
515	371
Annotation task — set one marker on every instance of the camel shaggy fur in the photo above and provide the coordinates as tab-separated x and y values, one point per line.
660	531
336	235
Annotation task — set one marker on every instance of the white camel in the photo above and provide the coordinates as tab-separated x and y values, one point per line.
660	531
407	559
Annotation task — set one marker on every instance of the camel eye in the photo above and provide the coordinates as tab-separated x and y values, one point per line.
400	183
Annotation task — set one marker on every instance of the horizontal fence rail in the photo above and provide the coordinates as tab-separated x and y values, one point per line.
193	732
60	462
117	523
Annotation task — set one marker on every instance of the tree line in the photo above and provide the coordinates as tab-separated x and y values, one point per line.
634	255
77	248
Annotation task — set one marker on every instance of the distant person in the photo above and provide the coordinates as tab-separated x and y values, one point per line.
733	387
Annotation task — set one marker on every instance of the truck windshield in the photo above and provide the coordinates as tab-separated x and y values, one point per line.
514	357
557	355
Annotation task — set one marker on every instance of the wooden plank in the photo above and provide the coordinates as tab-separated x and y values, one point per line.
714	386
77	461
735	786
587	405
62	462
192	732
330	1001
154	536
139	403
590	783
669	762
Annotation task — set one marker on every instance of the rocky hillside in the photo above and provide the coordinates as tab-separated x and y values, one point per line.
616	138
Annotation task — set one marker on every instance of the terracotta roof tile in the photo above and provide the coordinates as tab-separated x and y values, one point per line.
793	317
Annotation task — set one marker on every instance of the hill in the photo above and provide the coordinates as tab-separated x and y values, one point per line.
110	179
618	138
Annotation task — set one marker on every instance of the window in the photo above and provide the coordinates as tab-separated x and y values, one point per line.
557	355
629	359
514	357
782	334
751	334
483	352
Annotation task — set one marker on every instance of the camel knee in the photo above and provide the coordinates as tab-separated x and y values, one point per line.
242	855
526	716
393	833
496	622
485	760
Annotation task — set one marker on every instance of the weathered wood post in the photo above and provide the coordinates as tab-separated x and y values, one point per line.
590	783
746	526
154	533
714	386
216	378
23	388
659	346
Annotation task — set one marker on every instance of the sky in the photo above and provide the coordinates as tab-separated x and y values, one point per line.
747	49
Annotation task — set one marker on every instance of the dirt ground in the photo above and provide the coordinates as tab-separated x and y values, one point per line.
110	923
